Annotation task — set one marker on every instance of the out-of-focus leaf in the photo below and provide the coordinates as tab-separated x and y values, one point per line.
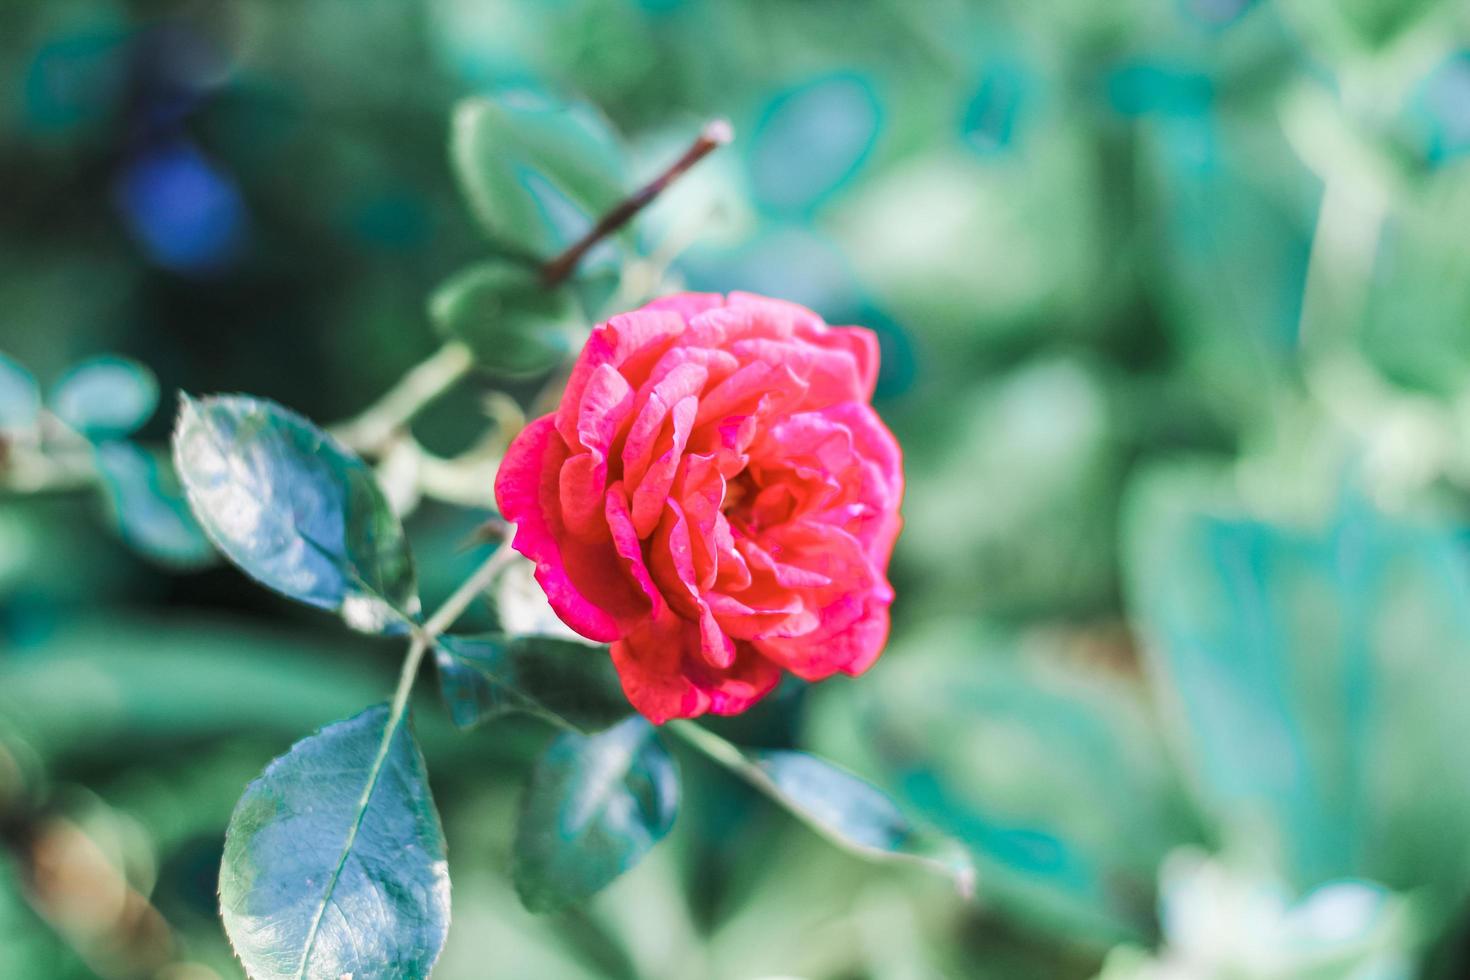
334	859
116	680
1047	768
982	250
295	510
594	807
536	173
1414	327
514	324
569	683
1222	920
813	139
1314	676
20	399
105	397
150	507
1042	441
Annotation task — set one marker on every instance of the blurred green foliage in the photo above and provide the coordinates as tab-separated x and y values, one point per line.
1175	314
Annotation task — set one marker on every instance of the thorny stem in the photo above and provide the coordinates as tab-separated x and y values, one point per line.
714	135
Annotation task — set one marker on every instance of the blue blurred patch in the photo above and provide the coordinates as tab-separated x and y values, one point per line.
73	81
186	213
812	139
989	123
1443	107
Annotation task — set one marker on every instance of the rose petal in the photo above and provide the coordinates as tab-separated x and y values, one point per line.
526	492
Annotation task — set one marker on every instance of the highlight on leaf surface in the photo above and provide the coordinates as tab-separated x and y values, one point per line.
334	859
288	505
536	173
566	682
594	807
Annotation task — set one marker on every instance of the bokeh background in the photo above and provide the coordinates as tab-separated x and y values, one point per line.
1174	298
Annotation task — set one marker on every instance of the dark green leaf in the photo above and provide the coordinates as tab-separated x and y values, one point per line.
596	804
106	397
149	506
514	325
334	859
295	510
569	683
537	174
20	400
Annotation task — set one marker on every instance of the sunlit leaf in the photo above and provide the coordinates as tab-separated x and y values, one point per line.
106	397
572	684
536	173
295	510
513	323
595	805
334	859
150	507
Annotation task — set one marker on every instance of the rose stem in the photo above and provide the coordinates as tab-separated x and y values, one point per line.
714	135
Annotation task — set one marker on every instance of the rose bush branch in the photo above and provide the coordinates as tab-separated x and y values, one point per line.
373	431
715	134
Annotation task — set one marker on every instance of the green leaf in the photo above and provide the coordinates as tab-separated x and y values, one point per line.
566	682
20	399
334	859
149	505
536	174
295	510
505	315
596	804
106	397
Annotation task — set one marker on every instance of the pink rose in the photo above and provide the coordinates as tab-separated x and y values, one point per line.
716	498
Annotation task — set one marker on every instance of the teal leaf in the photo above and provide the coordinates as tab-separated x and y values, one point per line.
569	683
501	310
812	140
847	810
596	804
334	859
1048	769
835	801
149	505
106	397
537	174
293	509
20	399
1314	676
